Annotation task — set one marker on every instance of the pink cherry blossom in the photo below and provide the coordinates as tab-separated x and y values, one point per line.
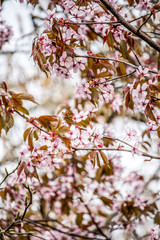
5	32
66	61
142	71
136	150
140	203
144	5
49	20
131	133
154	233
107	92
81	116
79	65
73	133
116	103
118	34
83	90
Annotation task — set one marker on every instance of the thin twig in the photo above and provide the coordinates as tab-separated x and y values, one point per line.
106	22
8	174
112	59
16	220
26	234
12	52
114	79
140	64
105	58
116	149
89	23
61	231
29	203
31	122
144	22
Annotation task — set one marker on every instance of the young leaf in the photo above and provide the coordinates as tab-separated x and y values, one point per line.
24	96
123	49
110	39
26	132
104	157
131	2
98	161
46	121
129	101
20	168
122	68
44	147
30	141
4	86
79	219
149	113
63	129
35	135
22	109
10	121
106	201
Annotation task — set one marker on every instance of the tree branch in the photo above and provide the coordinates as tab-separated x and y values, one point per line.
116	78
61	231
114	60
131	28
116	149
26	234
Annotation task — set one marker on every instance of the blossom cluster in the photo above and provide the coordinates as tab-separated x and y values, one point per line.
5	32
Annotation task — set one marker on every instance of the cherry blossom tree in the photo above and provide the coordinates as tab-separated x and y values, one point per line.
70	182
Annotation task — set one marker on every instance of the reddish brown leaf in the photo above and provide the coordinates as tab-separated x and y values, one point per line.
10	122
24	96
33	2
104	157
35	174
63	129
46	121
20	168
110	40
103	74
3	194
26	132
94	94
106	201
35	135
98	161
123	49
22	109
44	147
66	141
131	2
129	101
4	86
30	141
105	37
122	68
149	113
79	219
